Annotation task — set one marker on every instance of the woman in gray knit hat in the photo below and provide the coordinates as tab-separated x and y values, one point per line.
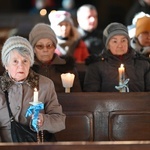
47	63
19	81
104	74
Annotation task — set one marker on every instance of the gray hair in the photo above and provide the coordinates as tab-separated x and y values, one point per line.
19	44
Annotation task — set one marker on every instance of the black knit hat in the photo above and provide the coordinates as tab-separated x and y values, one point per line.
114	29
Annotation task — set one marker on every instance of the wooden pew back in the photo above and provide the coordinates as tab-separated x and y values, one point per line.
94	116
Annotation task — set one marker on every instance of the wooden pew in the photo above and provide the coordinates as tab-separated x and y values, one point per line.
95	116
137	145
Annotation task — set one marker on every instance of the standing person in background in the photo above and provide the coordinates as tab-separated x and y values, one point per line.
103	76
69	42
138	6
141	41
87	18
47	62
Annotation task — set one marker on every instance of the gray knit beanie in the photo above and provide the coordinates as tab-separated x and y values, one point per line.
114	29
42	30
15	42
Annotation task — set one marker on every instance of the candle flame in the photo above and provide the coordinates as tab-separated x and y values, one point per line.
35	89
122	65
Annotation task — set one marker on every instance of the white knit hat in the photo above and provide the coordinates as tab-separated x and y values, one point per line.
56	17
16	42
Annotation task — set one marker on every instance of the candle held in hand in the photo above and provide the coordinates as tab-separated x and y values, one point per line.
121	71
35	96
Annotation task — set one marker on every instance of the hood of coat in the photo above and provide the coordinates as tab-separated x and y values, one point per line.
138	48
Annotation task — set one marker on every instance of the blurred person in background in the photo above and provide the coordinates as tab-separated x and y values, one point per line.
131	28
69	42
87	18
141	41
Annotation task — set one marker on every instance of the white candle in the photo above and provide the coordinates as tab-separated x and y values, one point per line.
67	81
35	96
121	71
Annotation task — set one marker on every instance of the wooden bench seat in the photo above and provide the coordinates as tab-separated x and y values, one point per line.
137	145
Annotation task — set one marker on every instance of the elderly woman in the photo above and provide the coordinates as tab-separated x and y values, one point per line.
19	81
103	75
47	62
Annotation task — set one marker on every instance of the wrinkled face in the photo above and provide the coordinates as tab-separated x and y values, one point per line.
144	39
63	29
88	19
44	50
118	45
18	66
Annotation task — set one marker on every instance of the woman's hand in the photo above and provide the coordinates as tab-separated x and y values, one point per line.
40	120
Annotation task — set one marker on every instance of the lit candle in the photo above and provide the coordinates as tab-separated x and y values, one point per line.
121	71
35	96
67	81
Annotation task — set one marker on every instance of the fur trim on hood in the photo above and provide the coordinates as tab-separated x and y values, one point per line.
137	47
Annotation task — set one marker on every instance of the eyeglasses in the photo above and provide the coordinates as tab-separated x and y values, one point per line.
40	46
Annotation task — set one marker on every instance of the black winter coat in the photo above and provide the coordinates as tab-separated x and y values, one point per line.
103	75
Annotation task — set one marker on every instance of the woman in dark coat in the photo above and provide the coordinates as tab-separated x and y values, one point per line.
47	63
103	76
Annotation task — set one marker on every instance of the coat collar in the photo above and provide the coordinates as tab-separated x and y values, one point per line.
55	61
32	80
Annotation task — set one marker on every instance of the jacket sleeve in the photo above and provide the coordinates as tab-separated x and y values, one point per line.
92	81
54	118
147	79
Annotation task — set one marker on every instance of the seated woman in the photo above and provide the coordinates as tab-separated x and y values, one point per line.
19	81
102	75
69	42
47	62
